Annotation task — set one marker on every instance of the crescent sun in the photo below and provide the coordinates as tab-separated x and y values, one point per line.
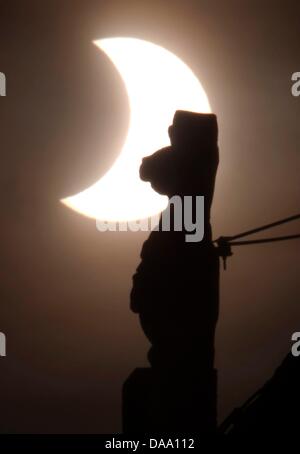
158	83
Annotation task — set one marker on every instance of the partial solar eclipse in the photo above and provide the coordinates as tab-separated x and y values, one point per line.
157	83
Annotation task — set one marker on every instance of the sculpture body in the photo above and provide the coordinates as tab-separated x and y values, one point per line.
176	286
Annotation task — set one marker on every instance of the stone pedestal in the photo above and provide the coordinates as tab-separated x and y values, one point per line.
166	403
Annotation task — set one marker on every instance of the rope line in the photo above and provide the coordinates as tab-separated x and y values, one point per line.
265	240
264	227
225	242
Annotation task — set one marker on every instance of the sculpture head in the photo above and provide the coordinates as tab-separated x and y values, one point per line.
189	166
190	129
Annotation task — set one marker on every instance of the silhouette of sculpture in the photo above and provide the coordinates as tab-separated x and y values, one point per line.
176	292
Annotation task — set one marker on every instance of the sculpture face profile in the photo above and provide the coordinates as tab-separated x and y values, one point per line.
189	165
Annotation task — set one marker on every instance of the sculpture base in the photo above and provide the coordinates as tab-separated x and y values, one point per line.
161	402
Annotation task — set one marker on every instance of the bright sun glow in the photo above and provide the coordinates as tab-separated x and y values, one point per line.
158	83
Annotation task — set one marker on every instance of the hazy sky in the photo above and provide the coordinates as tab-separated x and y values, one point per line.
64	286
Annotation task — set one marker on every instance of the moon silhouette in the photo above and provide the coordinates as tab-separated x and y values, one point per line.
158	83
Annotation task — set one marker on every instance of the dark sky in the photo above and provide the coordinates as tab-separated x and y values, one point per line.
71	338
